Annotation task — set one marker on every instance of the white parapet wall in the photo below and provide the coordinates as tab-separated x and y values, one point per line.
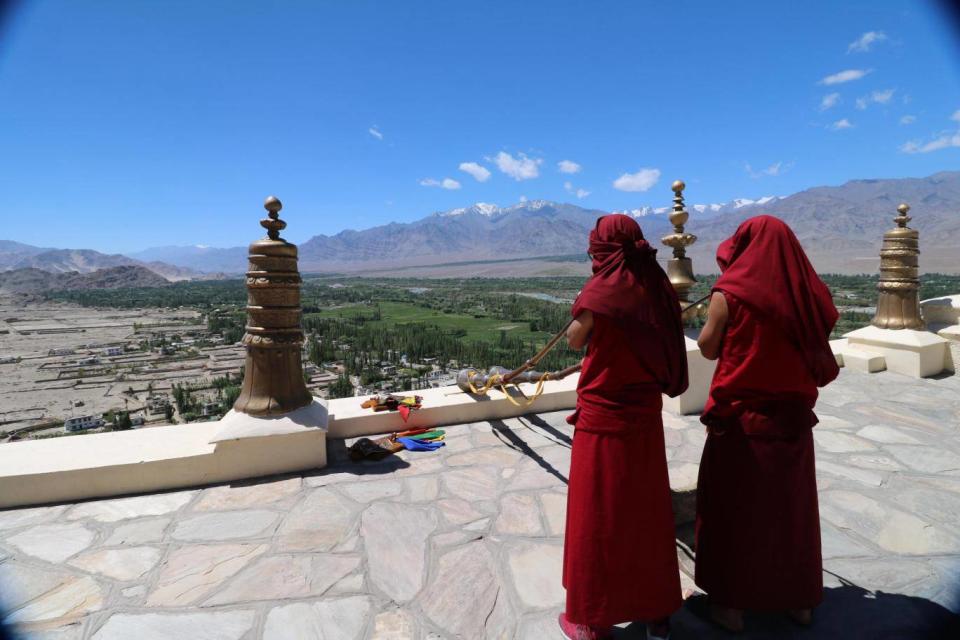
449	405
240	446
148	460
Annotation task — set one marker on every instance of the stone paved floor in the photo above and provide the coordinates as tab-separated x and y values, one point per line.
467	542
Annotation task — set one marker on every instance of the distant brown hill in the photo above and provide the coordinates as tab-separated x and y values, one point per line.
33	281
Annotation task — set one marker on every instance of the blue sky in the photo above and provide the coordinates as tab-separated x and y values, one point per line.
132	124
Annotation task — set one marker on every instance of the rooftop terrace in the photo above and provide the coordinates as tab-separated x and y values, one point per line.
467	542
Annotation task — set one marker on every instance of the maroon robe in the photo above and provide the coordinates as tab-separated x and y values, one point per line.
758	526
620	561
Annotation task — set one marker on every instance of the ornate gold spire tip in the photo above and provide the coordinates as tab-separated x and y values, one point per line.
272	223
903	218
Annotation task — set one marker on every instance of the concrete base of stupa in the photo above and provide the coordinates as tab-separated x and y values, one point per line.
700	373
919	354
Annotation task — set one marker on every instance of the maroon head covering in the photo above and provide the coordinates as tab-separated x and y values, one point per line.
630	288
765	268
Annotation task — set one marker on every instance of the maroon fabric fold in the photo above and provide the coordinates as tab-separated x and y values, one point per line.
765	267
630	288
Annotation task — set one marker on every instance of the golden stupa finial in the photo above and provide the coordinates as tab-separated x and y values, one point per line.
679	268
272	223
903	218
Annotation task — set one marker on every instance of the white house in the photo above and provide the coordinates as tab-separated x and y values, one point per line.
81	423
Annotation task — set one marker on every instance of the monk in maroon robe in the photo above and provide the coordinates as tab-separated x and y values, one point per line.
620	560
758	524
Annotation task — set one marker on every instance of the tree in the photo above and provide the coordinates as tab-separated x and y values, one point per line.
122	422
168	412
341	388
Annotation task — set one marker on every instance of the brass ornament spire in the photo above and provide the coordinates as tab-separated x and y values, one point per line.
898	302
680	268
273	378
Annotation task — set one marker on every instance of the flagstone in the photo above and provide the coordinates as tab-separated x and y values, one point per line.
135	507
463	591
283	577
194	572
542	627
890	528
342	619
396	624
457	512
519	515
354	583
26	517
683	475
862	476
214	625
875	461
886	435
226	525
140	531
495	456
931	460
423	488
835	442
555	511
536	569
53	542
246	495
67	602
318	523
128	563
477	525
395	539
452	538
365	492
471	483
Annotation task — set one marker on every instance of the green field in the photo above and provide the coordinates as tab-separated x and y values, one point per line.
394	313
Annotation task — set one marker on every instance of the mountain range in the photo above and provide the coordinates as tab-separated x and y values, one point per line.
841	228
29	280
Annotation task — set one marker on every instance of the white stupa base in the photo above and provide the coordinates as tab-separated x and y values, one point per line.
918	354
700	374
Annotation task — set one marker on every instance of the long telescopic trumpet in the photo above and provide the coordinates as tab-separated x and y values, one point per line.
473	381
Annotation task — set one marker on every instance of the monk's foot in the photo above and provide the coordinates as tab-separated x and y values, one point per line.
659	629
803	617
729	619
575	631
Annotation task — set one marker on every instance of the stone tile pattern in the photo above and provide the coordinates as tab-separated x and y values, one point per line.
465	542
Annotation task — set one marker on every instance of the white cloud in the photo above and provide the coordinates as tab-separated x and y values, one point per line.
867	40
519	168
375	132
841	124
774	169
523	198
878	97
580	193
845	76
945	141
479	173
568	166
829	101
908	119
446	183
639	181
